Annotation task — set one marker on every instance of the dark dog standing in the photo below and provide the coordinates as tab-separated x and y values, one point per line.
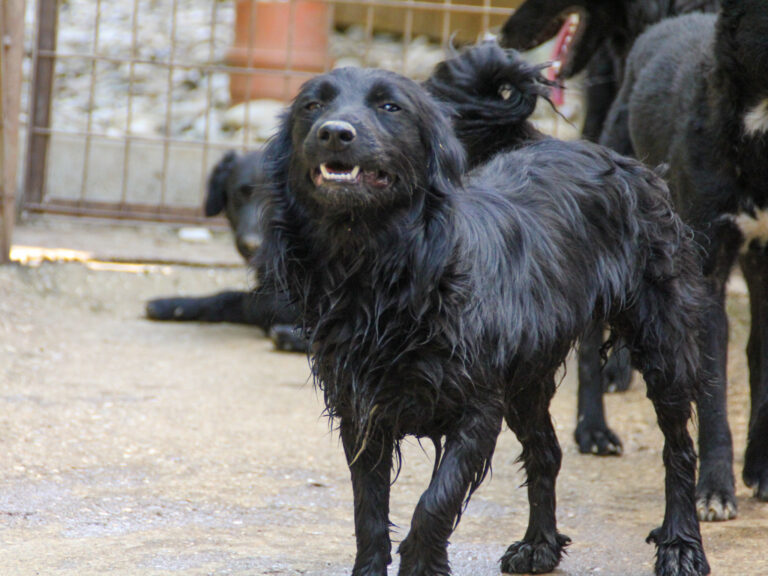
438	306
600	43
238	188
695	97
492	94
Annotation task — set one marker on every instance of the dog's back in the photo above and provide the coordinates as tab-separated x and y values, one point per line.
545	209
662	73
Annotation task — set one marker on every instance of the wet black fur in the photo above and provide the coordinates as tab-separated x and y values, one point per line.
611	29
237	188
471	83
689	83
440	305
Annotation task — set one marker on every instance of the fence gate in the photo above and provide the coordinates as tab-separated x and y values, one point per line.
131	102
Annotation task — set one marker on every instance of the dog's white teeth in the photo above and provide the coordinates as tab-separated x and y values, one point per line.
556	65
341	176
505	92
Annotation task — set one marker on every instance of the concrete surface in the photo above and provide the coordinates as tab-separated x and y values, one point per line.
130	447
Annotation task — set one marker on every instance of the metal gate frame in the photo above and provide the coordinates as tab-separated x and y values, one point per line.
11	54
39	131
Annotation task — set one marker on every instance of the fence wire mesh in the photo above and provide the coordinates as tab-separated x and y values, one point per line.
130	103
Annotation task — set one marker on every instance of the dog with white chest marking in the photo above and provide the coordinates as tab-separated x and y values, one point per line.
695	97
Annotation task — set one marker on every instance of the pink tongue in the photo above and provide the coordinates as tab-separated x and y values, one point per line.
556	92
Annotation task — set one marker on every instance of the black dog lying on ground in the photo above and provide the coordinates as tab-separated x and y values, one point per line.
599	41
439	304
237	187
695	97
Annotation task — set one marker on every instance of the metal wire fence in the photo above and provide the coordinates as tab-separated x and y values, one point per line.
128	104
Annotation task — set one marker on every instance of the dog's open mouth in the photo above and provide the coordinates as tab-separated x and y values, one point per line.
338	173
568	37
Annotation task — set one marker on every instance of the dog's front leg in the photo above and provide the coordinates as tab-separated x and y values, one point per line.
527	413
592	432
370	464
755	266
465	460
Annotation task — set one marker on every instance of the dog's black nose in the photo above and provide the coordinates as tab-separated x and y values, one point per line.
336	134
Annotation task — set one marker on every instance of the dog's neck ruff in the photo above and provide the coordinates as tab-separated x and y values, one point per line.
756	119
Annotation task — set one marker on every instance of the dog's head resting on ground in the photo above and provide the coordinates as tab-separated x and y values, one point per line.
237	187
491	93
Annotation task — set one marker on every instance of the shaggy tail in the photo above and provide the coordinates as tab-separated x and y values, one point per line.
491	94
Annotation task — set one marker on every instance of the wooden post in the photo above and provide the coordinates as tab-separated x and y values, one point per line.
11	54
36	165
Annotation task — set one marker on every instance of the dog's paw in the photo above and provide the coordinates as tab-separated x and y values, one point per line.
163	309
678	556
757	479
374	566
617	372
287	338
534	557
755	473
599	440
715	498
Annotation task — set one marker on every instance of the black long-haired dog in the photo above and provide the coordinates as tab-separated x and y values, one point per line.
439	304
695	97
596	37
492	93
237	187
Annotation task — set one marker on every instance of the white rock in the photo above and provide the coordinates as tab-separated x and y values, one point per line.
261	117
195	234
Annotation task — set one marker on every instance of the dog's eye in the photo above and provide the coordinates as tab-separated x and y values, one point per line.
505	91
312	106
390	107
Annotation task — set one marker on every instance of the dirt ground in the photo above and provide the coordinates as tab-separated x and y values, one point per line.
132	447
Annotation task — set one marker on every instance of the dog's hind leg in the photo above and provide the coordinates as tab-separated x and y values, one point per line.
616	132
755	266
527	413
465	460
715	491
600	91
592	432
663	325
617	372
679	551
370	466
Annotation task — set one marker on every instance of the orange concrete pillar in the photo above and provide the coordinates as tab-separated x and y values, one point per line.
275	37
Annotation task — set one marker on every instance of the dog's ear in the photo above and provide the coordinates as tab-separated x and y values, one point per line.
216	198
278	151
445	155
